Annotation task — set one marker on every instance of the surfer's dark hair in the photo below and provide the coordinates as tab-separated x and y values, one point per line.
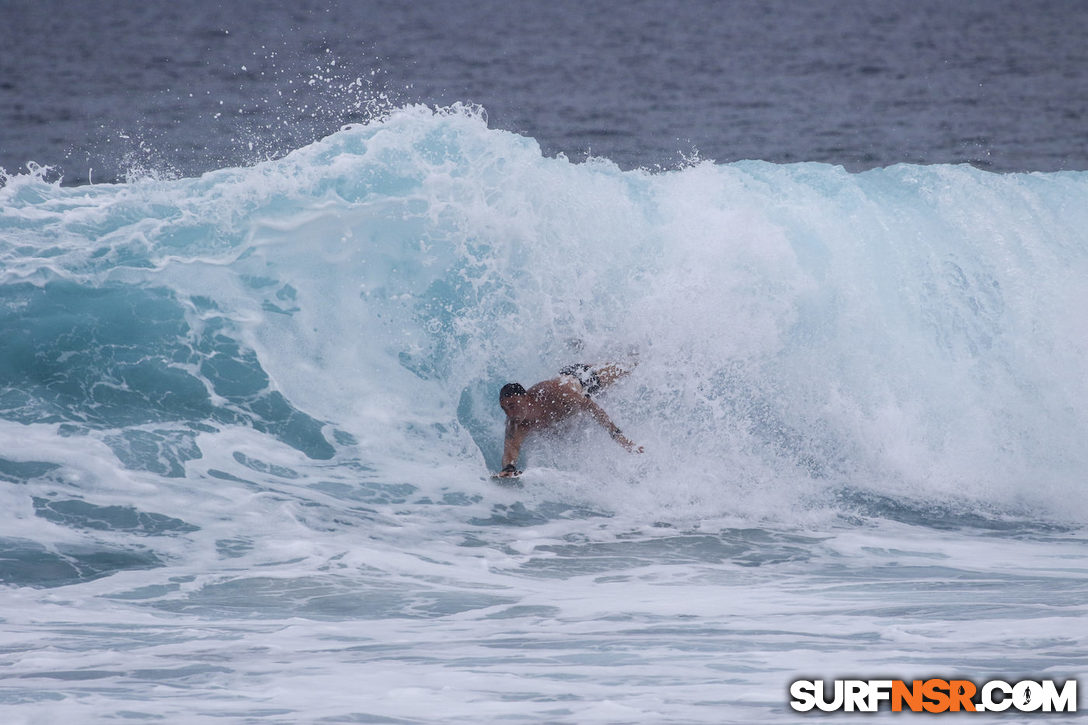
511	389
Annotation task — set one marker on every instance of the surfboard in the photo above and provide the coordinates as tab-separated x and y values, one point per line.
508	481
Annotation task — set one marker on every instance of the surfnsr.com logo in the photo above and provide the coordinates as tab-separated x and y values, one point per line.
934	695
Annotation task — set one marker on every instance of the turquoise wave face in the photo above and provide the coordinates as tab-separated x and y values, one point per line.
116	358
806	337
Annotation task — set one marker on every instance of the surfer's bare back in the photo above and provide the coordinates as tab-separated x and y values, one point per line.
551	401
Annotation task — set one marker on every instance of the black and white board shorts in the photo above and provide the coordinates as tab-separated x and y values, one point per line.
585	376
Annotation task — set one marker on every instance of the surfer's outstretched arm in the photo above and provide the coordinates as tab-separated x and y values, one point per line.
613	430
511	447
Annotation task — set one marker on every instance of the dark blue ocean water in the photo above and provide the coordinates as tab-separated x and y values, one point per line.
98	89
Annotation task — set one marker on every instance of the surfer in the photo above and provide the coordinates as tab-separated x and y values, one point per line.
551	401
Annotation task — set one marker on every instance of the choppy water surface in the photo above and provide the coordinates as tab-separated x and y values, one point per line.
103	89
